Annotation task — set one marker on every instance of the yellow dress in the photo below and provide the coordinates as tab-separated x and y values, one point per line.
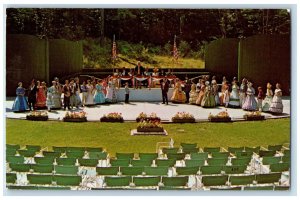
178	95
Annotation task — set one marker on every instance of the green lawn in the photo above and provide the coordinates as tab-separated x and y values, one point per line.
115	137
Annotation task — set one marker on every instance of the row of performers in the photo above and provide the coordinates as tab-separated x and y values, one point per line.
206	94
41	97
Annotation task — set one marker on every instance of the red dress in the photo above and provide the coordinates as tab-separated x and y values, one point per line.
40	98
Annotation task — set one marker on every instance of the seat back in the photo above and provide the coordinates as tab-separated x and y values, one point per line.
268	178
88	162
39	179
117	181
131	170
242	180
67	180
187	170
35	148
15	159
235	149
156	171
286	159
211	149
76	149
176	156
75	154
59	149
19	167
240	161
199	156
211	169
175	181
188	145
194	163
42	168
27	153
66	169
189	150
170	150
243	154
44	160
11	152
267	160
66	161
259	188
235	169
94	149
253	149
263	153
98	155
142	163
217	161
120	162
165	162
148	156
125	155
275	147
280	167
146	181
107	170
13	146
54	154
220	154
11	178
214	180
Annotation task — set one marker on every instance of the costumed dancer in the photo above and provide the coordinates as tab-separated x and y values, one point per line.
56	96
77	92
84	93
20	103
208	100
187	88
201	93
90	94
59	89
178	95
193	94
49	101
277	106
260	98
111	96
41	95
234	99
268	100
250	103
99	96
243	89
73	95
32	95
215	91
67	94
224	85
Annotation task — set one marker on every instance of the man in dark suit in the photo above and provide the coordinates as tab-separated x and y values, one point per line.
164	85
32	95
139	71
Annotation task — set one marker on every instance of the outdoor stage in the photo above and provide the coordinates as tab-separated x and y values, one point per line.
165	112
143	95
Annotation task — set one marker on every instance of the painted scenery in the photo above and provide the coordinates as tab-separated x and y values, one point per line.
148	99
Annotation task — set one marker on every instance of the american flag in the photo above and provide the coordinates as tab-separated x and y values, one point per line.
175	50
114	49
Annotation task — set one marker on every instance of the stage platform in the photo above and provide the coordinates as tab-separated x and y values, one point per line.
165	112
143	95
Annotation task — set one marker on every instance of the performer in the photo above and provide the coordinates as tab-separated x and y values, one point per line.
77	92
41	95
139	70
20	103
250	102
215	91
73	94
187	88
90	94
59	89
260	98
224	85
155	74
148	81
178	95
124	73
234	99
208	100
243	90
198	86
56	96
201	93
126	93
164	85
266	104
111	96
193	94
84	93
32	95
277	106
49	101
67	94
226	95
99	96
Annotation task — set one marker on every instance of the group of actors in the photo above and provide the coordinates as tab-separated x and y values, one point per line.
39	96
206	94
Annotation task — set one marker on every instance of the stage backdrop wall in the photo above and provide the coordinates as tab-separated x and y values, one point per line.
65	57
29	57
221	57
266	58
26	57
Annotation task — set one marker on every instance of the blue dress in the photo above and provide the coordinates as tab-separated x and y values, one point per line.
20	103
99	96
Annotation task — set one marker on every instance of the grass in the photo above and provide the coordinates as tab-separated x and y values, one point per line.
166	62
115	137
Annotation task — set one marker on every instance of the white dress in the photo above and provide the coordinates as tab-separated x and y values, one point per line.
234	100
267	101
90	95
276	106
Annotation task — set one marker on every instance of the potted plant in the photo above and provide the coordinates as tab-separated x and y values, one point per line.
183	117
112	117
143	116
75	117
254	116
220	117
37	116
150	126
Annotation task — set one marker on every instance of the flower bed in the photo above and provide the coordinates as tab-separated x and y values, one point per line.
221	117
254	116
150	126
112	117
37	116
144	117
183	117
75	117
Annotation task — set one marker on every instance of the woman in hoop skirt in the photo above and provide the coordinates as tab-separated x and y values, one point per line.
111	96
20	103
234	99
193	94
201	93
268	99
90	94
208	100
250	103
277	106
178	95
99	96
215	91
41	95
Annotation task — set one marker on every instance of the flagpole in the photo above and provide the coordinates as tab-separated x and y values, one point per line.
113	53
